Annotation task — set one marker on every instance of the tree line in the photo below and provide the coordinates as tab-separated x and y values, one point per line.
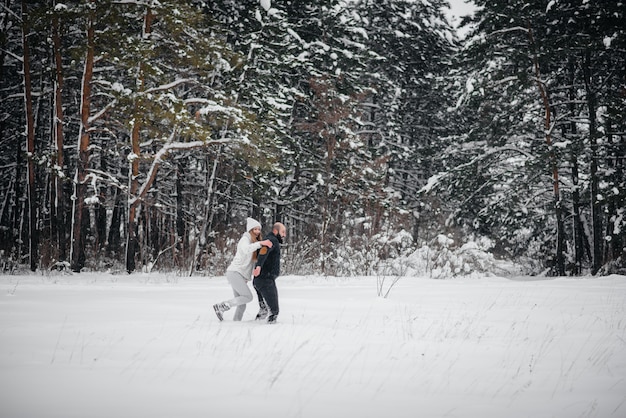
140	134
546	91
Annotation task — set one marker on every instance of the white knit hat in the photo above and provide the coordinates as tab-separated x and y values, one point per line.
251	224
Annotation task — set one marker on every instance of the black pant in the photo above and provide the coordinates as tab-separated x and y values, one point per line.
266	287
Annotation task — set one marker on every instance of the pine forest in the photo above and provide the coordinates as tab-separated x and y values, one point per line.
138	135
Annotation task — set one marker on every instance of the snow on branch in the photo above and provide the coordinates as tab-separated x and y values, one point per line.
507	30
214	107
490	153
101	113
171	85
15	15
162	153
210	106
266	4
134	2
111	180
434	181
16	57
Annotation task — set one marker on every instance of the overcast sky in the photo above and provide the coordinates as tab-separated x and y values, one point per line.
459	8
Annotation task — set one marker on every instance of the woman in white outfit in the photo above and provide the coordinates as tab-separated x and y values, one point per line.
239	272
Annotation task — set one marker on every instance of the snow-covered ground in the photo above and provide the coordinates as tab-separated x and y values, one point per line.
101	345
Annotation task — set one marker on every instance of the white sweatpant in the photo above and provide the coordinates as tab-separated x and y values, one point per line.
241	291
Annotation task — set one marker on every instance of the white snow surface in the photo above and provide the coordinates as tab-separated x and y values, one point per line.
149	345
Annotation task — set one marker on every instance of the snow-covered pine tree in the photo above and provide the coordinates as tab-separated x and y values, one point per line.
412	46
300	76
178	98
508	118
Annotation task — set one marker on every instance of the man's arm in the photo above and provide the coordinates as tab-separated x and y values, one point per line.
263	253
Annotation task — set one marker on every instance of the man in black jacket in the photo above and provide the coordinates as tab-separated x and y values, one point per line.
267	269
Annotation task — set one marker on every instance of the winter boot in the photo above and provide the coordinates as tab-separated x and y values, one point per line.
272	319
262	311
220	308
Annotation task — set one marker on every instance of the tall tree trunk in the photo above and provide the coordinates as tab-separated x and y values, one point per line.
614	245
558	210
596	207
578	230
114	248
77	254
17	215
101	220
208	214
101	212
132	242
619	242
58	201
30	143
154	236
131	238
180	221
620	178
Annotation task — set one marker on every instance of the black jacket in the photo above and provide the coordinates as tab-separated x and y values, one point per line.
269	259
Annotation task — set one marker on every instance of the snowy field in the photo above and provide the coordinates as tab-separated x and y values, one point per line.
101	345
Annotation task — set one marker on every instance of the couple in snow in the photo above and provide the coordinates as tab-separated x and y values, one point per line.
258	258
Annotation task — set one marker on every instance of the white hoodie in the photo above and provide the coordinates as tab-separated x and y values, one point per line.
243	262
